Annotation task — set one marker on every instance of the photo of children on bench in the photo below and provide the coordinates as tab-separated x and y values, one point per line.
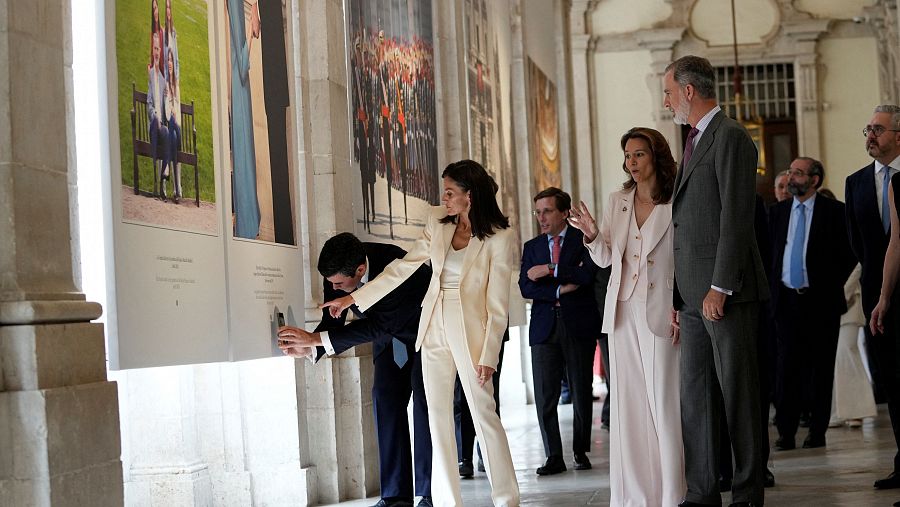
165	114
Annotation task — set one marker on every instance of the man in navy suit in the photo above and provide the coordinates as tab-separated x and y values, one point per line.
868	223
391	324
811	260
558	275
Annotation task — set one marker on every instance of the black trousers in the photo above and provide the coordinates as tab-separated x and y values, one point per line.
391	391
807	340
604	355
563	354
884	352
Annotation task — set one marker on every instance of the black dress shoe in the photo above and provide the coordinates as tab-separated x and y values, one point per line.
582	462
465	469
814	441
687	503
892	481
553	465
425	502
393	502
769	479
785	444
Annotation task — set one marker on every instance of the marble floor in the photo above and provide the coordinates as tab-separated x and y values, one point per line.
840	474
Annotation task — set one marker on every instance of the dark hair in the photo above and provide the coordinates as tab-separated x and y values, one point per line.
341	254
661	158
154	28
815	169
824	192
563	200
484	214
695	71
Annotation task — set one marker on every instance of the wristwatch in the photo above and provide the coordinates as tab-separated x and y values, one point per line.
551	267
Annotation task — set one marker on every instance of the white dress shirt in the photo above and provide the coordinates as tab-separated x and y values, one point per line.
326	340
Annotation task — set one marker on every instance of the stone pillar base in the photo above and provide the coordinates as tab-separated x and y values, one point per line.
60	447
187	485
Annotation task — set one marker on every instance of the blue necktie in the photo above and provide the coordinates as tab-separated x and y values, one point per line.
885	204
797	248
401	356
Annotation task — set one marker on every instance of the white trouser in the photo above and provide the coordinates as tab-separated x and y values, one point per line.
444	352
646	456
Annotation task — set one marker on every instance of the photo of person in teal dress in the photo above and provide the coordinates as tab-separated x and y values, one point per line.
244	198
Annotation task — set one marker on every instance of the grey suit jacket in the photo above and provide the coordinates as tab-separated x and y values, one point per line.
712	215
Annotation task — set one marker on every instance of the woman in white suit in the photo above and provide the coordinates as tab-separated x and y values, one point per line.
464	316
635	237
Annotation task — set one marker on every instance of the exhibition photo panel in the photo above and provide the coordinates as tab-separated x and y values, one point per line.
393	126
257	101
167	296
204	181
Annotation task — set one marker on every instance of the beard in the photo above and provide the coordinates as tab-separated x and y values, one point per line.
874	150
681	111
797	188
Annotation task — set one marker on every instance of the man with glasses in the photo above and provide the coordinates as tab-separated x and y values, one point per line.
868	223
811	260
558	276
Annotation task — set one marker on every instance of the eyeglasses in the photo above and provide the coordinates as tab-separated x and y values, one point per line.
877	130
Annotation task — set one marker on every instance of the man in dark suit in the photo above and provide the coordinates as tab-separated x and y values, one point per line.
719	283
391	324
276	93
868	224
558	275
811	260
601	282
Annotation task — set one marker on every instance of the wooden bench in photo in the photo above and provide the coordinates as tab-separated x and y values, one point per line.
140	136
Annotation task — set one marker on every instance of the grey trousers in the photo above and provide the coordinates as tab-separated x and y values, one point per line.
718	363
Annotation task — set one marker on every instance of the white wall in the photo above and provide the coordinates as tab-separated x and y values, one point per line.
849	99
711	21
838	9
538	23
623	101
624	16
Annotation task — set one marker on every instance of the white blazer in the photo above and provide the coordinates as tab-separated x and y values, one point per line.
483	286
609	246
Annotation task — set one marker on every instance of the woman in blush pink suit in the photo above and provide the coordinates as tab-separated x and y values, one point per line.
635	238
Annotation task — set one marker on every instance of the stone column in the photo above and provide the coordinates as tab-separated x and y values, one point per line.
661	43
59	424
334	396
804	36
582	100
451	103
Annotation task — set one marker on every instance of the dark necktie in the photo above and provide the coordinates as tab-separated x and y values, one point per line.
689	147
401	356
796	276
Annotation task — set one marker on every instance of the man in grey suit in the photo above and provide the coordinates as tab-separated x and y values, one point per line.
719	283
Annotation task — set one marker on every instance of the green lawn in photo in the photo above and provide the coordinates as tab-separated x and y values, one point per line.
132	58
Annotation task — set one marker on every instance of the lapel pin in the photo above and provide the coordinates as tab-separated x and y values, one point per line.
624	208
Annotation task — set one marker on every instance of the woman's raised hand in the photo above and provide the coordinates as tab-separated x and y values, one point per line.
581	219
337	306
